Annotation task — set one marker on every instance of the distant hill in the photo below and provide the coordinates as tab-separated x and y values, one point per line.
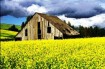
7	34
6	26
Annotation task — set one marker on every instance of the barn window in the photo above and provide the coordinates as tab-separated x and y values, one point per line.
26	32
38	24
39	30
48	24
48	29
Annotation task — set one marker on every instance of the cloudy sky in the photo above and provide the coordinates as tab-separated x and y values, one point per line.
78	12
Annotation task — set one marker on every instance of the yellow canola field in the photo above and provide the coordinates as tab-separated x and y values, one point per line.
80	53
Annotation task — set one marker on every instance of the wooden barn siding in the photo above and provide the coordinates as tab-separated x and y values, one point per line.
31	26
44	25
34	27
20	34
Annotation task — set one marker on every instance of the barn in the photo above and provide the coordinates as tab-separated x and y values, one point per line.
44	26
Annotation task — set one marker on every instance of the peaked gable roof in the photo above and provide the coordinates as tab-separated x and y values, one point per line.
59	24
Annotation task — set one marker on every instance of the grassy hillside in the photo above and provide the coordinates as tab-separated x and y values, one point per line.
7	26
87	53
6	34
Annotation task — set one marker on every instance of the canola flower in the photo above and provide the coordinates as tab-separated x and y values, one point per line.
87	53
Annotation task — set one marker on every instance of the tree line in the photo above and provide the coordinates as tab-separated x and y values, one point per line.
89	31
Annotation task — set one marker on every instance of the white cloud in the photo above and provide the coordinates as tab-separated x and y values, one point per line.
86	22
36	8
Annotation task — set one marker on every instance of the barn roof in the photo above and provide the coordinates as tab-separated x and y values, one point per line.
59	24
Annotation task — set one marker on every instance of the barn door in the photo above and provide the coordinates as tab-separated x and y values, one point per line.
39	31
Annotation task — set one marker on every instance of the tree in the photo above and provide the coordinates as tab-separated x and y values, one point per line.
28	18
90	31
22	25
13	28
96	30
81	31
69	24
64	21
102	32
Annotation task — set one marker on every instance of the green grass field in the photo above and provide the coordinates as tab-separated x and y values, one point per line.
6	34
80	53
7	26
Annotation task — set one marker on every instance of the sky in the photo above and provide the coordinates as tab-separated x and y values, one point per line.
78	12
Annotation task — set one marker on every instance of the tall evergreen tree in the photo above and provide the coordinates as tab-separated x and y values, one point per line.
69	24
13	28
90	31
81	31
64	21
95	31
28	18
22	25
